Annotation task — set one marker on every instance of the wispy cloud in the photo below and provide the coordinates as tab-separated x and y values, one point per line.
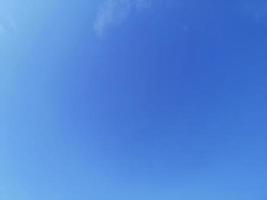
115	12
7	25
2	29
255	9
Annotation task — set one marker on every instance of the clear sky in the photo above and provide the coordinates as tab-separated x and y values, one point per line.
133	100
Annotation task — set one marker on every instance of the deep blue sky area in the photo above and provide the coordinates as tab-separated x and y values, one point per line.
133	100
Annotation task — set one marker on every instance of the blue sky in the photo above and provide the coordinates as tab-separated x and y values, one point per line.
133	99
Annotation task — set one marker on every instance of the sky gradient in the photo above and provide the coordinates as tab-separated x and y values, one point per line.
133	99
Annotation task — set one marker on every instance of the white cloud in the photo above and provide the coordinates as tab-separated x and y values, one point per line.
115	12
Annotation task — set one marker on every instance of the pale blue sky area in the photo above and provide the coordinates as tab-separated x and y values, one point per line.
133	100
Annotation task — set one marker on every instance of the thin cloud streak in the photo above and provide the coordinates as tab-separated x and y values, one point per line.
115	12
